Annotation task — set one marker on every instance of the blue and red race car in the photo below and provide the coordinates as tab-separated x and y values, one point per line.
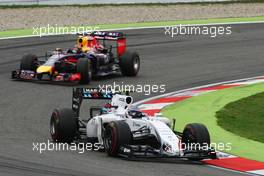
95	54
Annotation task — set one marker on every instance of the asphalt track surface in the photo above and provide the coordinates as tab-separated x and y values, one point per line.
180	62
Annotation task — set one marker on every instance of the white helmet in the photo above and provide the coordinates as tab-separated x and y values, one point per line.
121	101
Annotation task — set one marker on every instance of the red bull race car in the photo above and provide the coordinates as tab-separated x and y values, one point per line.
95	54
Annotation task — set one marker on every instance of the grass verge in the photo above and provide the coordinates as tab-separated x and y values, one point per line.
29	32
244	117
203	108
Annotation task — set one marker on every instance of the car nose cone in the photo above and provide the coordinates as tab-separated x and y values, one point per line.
44	69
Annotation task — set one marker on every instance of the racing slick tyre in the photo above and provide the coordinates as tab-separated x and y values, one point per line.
85	70
195	135
116	134
130	63
29	62
63	125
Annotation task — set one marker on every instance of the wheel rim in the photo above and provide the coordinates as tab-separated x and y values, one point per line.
89	74
189	137
52	128
53	131
136	64
108	140
89	71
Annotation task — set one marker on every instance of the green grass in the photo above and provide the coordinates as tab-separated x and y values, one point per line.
25	32
244	117
203	108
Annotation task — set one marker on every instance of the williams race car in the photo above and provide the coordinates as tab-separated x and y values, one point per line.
123	130
95	54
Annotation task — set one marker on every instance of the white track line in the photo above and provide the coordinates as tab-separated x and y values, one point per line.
194	88
153	106
259	172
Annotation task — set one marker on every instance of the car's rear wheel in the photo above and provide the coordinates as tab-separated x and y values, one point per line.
130	63
116	134
195	137
85	70
29	62
63	125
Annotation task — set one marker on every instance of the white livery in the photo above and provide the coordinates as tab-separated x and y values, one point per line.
125	131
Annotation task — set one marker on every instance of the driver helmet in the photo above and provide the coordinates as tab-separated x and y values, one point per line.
57	51
134	112
86	43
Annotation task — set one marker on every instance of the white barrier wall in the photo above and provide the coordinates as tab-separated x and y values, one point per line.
61	2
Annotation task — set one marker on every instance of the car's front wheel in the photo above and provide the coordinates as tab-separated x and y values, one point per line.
85	70
116	134
39	76
195	137
29	62
63	125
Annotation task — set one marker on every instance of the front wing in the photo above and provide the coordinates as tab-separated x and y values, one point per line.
31	75
134	152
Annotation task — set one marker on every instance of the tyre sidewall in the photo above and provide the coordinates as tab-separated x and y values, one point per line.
121	135
127	63
65	125
29	62
85	70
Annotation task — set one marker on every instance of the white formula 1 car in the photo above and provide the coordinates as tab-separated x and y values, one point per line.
123	130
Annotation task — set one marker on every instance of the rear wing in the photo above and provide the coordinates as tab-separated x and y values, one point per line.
114	36
119	37
103	35
79	94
